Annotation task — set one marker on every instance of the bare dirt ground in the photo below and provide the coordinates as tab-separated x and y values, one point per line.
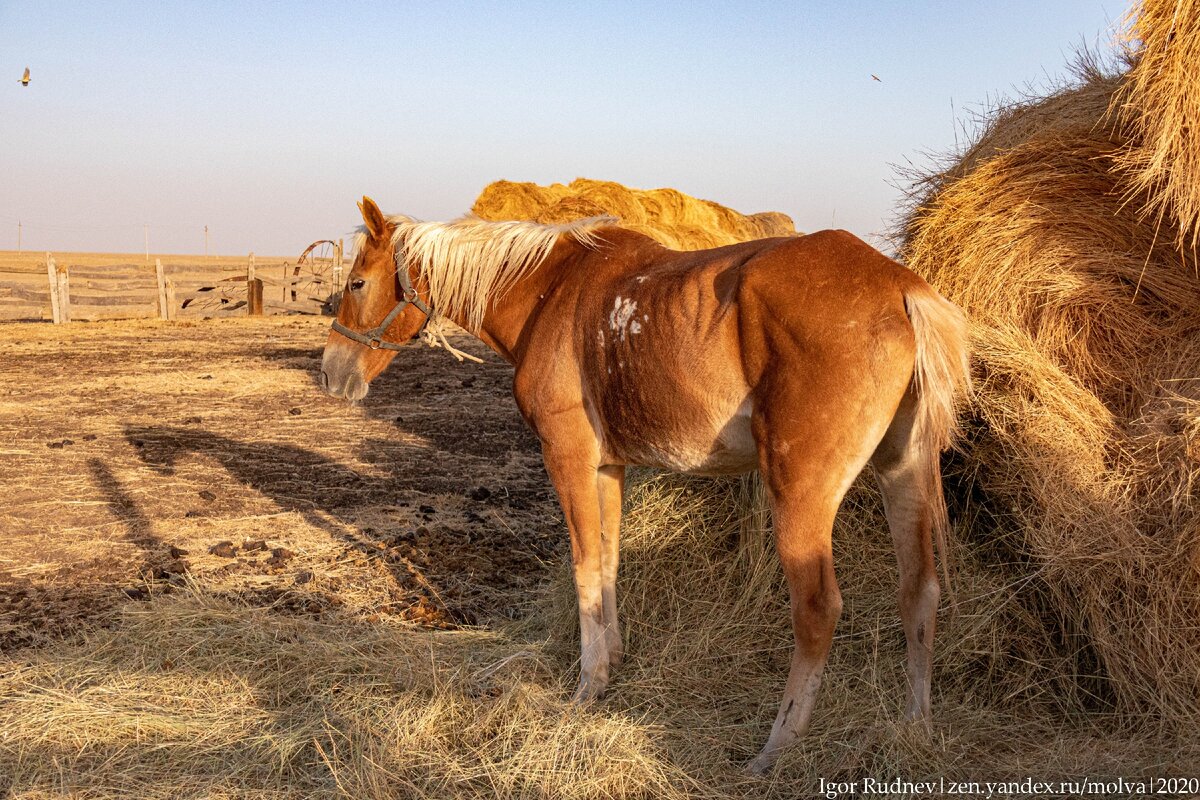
139	456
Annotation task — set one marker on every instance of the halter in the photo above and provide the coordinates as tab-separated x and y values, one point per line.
374	337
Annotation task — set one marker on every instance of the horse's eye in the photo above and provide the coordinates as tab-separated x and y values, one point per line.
357	284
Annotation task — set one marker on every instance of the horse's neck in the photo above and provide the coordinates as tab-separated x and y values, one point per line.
504	320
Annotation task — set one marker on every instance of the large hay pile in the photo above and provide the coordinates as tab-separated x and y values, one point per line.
1067	231
672	217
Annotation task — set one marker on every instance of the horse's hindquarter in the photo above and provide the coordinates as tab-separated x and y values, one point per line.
827	345
830	302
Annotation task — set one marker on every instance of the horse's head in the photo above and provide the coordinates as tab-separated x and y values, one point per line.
380	310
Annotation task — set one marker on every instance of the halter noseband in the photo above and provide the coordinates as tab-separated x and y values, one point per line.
374	337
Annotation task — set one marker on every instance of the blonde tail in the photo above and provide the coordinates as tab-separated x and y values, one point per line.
941	379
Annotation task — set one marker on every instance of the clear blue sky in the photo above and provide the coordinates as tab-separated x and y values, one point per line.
266	121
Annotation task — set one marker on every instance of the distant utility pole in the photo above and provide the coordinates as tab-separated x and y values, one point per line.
18	236
206	241
146	234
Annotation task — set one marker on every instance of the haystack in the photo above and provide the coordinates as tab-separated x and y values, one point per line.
1068	233
669	216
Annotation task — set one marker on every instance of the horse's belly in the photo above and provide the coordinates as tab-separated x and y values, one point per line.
721	447
667	379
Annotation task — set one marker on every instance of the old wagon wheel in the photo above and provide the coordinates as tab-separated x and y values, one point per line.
314	271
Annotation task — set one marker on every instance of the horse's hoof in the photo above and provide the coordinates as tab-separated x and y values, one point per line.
586	693
920	722
760	766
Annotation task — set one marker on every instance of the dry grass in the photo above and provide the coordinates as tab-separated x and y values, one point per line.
1160	102
670	216
35	261
1079	478
197	696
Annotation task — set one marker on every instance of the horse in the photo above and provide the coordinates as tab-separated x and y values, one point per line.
804	357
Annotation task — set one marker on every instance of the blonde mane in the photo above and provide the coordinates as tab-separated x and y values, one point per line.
470	262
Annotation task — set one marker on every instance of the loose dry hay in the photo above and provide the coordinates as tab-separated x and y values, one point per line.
670	216
197	697
1160	102
1067	234
194	696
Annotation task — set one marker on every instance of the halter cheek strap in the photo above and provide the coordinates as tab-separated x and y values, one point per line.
374	337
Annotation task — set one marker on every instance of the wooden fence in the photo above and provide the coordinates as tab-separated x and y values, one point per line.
65	293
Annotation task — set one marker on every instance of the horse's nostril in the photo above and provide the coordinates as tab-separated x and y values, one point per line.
355	389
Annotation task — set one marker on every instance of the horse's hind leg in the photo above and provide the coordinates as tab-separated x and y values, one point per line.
804	527
807	464
910	498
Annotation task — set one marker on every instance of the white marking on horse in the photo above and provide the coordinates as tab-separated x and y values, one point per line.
621	314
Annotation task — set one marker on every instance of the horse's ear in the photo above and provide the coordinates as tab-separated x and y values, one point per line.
373	218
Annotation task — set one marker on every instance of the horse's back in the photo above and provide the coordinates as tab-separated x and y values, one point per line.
833	272
824	301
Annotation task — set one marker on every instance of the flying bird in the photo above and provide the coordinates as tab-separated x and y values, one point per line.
876	77
25	77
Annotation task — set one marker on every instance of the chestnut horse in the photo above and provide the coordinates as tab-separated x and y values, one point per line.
803	357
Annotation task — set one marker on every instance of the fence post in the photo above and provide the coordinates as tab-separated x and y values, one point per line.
163	308
337	268
52	274
170	297
64	292
254	297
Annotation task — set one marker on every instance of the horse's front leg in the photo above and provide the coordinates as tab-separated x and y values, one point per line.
574	472
611	483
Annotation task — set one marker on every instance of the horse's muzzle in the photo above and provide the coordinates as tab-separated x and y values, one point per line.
340	377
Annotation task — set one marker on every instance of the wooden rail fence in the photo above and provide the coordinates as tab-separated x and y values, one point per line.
167	291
